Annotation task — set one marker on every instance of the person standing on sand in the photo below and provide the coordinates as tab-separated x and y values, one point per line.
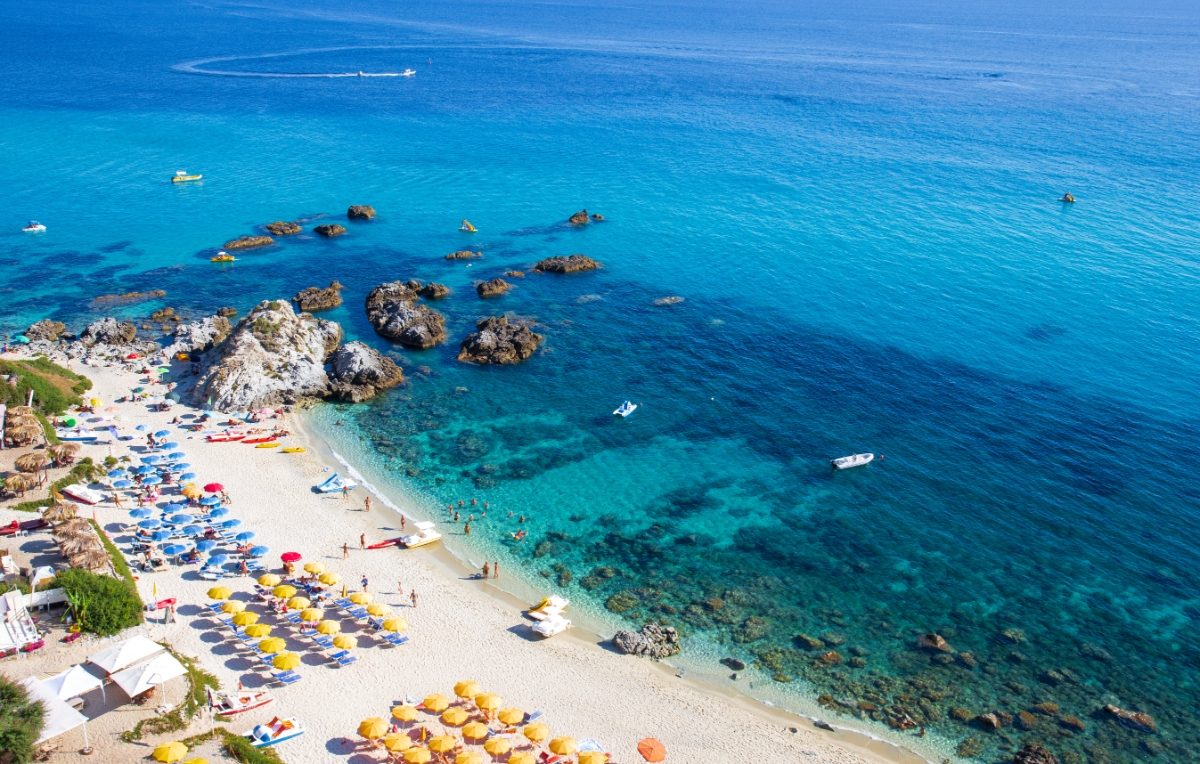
362	541
364	583
367	504
467	528
345	551
401	522
399	588
345	492
487	570
413	596
496	569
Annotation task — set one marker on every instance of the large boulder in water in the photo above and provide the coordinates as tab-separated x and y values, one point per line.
493	288
359	372
47	330
434	291
329	230
274	356
1139	720
109	331
318	298
248	242
283	228
579	218
360	212
496	340
395	313
652	641
464	254
566	264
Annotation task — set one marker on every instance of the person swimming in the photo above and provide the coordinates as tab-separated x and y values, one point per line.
1067	198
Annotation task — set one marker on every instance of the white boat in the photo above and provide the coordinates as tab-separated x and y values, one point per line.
230	703
625	409
549	606
34	227
551	625
274	732
77	435
426	534
854	460
409	73
336	483
82	494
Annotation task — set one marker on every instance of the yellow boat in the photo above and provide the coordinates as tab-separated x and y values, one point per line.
292	450
181	176
466	227
223	257
272	444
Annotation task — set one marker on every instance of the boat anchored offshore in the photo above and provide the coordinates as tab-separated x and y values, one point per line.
854	460
34	227
181	176
625	409
223	257
467	227
426	534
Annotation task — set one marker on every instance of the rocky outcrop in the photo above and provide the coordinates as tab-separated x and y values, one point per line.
496	340
274	356
393	310
359	372
283	228
227	312
434	291
934	643
990	722
663	302
46	330
493	288
1138	720
128	298
199	336
566	264
329	230
248	242
579	218
515	274
1034	753
319	298
360	212
652	641
109	331
464	254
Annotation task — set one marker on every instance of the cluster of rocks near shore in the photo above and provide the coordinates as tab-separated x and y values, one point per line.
357	212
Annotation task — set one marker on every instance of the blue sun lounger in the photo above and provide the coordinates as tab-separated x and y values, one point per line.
286	677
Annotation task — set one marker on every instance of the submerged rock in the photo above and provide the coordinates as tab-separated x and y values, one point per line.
329	230
47	330
464	254
493	288
579	218
283	228
1034	753
360	372
663	302
652	641
497	341
248	242
566	264
360	212
734	663
393	310
434	291
1138	720
318	298
128	298
109	331
932	642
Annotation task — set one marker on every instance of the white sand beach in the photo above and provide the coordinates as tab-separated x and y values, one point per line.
461	628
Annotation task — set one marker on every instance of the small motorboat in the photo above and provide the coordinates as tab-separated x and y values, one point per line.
182	176
386	543
625	409
34	227
223	257
335	483
467	227
409	73
854	460
292	450
550	606
426	534
82	494
76	435
231	703
274	732
551	625
226	437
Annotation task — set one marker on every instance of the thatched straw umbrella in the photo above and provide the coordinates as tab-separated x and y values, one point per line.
91	559
75	544
21	411
75	525
64	453
33	463
23	434
60	511
19	483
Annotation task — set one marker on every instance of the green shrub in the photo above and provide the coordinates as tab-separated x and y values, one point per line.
118	559
55	389
240	749
21	722
101	605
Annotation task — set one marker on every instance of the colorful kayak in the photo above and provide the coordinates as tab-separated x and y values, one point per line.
269	444
292	450
227	437
385	544
259	439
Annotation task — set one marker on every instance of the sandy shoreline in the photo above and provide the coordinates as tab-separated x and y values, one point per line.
461	628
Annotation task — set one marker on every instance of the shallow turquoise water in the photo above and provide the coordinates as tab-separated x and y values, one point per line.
859	207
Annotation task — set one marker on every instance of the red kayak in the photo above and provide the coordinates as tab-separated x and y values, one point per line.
385	544
260	439
226	438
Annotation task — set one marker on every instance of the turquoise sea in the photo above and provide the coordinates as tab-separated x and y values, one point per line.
859	206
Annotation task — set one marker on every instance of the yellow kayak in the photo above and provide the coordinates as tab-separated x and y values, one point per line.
272	444
292	450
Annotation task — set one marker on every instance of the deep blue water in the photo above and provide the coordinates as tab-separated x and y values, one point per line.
859	206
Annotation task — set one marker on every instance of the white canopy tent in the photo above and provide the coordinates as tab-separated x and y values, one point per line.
125	654
59	717
137	679
72	683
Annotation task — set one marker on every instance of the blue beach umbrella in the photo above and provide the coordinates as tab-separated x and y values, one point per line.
183	518
217	560
183	466
149	525
193	530
227	524
210	501
259	551
162	433
206	545
151	480
244	536
139	513
186	475
140	427
145	469
176	506
172	444
121	484
176	455
216	512
119	473
150	459
160	535
174	550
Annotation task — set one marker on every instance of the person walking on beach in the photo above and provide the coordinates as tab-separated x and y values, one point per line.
345	551
401	522
364	583
413	597
345	492
496	569
362	541
399	588
487	570
367	504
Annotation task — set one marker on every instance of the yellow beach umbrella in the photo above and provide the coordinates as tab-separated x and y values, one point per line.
417	756
329	578
536	732
511	715
397	741
272	645
269	579
443	743
455	717
563	746
219	593
522	757
298	603
593	757
359	598
258	630
197	760
468	757
487	701
404	713
395	624
311	614
476	731
467	688
314	567
284	591
191	490
436	703
378	609
245	618
286	661
373	728
328	627
233	606
170	752
497	746
345	641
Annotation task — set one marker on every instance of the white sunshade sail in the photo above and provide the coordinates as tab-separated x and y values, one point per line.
58	717
72	683
125	654
137	679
